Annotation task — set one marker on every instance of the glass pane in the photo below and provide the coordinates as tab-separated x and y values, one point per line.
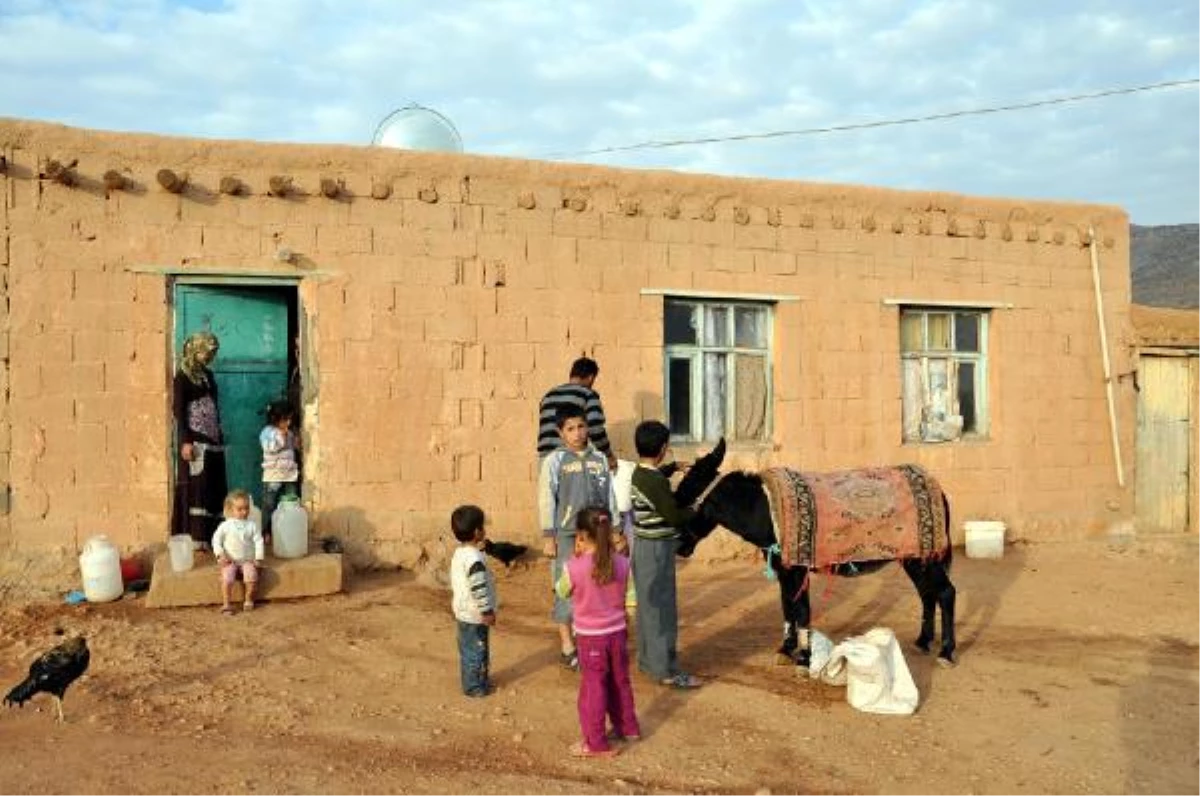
716	326
716	391
679	386
939	331
679	323
751	410
913	398
966	332
966	394
750	327
910	331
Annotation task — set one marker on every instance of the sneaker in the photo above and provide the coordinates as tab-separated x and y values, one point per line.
682	682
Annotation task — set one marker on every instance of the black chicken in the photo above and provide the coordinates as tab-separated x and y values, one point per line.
505	552
52	673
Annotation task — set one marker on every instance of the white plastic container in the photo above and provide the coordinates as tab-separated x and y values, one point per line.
181	547
985	538
100	566
289	529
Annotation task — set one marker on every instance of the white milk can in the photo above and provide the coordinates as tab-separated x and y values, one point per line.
100	565
289	529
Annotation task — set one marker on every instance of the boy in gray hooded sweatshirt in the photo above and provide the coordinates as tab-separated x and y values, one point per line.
572	478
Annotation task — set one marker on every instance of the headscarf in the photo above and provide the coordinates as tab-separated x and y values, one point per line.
197	345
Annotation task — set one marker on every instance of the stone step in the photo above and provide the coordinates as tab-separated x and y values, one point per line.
310	576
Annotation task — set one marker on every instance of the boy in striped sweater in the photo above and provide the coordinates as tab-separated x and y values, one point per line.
474	599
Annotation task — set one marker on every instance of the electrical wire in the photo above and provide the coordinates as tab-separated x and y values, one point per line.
839	128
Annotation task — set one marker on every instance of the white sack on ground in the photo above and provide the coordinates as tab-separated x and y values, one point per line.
876	676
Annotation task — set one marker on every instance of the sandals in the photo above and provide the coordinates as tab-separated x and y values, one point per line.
581	749
248	606
682	682
227	610
569	660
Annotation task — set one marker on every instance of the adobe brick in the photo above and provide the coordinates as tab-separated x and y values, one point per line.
617	226
571	223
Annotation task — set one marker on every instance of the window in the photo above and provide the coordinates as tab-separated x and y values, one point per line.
718	369
943	360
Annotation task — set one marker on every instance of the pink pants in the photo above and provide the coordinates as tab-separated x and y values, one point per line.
249	572
604	688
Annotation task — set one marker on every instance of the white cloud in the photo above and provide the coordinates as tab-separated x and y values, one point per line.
526	79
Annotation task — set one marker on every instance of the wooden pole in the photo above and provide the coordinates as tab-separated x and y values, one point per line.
279	185
171	181
1108	382
231	186
115	180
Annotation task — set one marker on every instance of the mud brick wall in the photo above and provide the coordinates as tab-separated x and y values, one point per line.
441	295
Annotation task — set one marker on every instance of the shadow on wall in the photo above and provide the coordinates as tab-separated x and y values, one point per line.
364	549
645	406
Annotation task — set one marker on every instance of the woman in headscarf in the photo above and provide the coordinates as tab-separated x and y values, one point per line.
200	484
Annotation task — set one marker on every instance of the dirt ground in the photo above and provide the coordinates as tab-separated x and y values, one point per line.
1078	674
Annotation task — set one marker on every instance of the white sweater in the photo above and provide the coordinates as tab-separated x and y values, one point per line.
241	540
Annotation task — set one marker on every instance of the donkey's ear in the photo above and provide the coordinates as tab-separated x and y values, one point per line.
717	454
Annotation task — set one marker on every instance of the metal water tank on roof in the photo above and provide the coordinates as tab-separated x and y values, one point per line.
417	127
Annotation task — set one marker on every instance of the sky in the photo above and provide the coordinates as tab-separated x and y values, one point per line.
558	80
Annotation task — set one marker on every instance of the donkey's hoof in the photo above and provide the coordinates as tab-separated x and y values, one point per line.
946	663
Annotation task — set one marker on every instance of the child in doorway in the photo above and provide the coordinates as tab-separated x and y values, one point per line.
572	478
597	580
657	519
281	472
474	599
238	546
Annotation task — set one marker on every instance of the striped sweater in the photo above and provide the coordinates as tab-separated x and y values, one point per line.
571	394
656	515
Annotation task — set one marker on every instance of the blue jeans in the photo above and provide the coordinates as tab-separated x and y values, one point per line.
473	658
271	492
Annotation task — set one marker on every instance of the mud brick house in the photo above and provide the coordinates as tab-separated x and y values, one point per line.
418	304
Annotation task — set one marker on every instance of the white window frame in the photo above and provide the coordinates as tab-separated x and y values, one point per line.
694	355
979	359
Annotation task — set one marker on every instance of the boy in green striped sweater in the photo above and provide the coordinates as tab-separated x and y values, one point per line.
657	519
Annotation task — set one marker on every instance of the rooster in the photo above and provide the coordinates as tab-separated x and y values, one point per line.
52	673
505	552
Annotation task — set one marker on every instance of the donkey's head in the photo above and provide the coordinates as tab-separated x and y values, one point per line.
737	503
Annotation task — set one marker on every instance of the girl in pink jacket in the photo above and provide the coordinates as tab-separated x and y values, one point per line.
597	581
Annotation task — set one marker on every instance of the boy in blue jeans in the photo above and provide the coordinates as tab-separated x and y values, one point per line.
573	478
474	600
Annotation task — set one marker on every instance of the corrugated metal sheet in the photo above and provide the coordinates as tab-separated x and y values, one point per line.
1165	453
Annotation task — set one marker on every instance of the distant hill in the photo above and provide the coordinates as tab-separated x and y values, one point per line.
1165	261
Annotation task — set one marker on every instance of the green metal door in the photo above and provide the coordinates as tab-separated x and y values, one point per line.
251	367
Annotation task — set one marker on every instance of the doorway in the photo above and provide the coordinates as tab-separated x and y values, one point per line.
1166	442
258	327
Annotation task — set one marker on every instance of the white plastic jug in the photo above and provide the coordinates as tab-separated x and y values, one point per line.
181	547
100	565
289	529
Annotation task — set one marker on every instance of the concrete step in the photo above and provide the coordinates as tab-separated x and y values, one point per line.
310	576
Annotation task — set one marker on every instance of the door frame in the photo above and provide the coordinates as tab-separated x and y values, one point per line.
304	361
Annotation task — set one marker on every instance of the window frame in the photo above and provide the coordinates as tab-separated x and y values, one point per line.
694	354
978	358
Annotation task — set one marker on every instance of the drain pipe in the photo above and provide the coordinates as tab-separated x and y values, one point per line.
1108	384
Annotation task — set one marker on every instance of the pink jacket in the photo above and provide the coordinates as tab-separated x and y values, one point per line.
598	609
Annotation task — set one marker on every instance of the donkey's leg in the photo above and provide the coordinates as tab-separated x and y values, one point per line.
946	594
919	574
793	595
